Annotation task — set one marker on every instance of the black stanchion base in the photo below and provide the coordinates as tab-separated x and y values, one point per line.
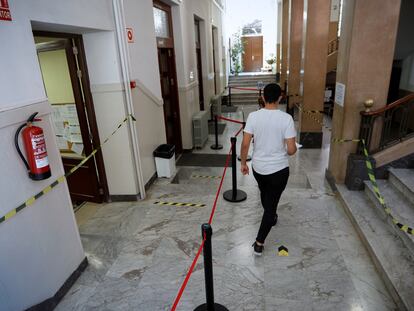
217	307
248	159
216	147
240	196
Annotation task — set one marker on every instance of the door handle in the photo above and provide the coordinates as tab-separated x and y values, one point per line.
252	57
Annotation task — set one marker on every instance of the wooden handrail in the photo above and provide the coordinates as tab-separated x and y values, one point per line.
399	102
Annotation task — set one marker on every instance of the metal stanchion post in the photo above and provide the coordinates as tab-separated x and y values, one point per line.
248	158
234	195
210	305
216	146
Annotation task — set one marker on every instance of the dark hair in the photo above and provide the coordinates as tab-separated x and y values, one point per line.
272	92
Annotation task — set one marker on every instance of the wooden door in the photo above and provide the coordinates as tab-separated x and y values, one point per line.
199	64
253	54
65	76
168	73
170	97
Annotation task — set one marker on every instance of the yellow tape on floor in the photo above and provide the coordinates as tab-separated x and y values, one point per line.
179	204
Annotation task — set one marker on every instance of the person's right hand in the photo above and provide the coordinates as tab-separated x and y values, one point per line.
244	169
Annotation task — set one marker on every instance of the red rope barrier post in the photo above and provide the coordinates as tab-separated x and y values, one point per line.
248	158
216	146
210	305
234	195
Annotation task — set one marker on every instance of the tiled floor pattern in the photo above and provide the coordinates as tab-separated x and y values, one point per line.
139	252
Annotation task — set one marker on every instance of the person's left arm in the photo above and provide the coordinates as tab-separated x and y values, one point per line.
247	138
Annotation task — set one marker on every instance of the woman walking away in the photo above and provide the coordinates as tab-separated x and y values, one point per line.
274	141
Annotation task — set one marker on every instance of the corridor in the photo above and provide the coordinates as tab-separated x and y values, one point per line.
139	253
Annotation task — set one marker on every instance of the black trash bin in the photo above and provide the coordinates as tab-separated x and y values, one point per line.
165	160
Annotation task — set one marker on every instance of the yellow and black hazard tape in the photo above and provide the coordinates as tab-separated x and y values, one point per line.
311	113
370	169
205	177
62	178
373	180
179	204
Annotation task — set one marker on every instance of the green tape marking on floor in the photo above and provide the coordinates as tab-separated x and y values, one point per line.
179	204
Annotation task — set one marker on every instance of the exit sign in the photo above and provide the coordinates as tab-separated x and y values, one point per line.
5	11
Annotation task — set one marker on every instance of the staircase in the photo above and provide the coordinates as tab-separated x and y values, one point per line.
251	80
392	249
247	97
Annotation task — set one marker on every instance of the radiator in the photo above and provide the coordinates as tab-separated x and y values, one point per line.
200	128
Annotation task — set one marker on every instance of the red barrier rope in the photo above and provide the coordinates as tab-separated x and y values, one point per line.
213	210
230	120
239	131
244	88
187	277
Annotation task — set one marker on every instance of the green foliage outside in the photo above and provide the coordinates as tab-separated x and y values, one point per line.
237	50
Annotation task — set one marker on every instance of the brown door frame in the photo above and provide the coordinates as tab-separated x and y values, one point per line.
79	88
168	43
199	64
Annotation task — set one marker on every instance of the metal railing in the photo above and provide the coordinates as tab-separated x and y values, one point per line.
333	46
387	126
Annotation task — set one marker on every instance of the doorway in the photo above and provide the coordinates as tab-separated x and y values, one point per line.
214	39
199	64
253	53
168	76
65	77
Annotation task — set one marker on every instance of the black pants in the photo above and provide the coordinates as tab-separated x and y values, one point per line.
271	188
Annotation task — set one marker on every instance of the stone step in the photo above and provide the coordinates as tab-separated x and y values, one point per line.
391	257
252	83
402	210
242	96
403	181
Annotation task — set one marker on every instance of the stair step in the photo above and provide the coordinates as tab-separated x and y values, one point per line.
392	259
402	210
403	181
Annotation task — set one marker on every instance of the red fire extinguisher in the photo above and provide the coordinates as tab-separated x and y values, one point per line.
37	162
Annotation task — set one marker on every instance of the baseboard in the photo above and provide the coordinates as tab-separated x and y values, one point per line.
124	197
151	181
51	303
331	180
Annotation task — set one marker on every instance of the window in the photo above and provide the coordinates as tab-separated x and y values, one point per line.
162	29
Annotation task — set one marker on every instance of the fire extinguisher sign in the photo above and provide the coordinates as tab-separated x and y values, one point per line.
5	11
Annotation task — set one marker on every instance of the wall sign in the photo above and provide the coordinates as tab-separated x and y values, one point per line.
130	35
5	11
340	94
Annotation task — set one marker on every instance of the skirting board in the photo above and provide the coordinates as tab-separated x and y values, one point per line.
51	303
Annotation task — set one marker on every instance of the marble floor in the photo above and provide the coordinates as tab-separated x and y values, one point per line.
139	252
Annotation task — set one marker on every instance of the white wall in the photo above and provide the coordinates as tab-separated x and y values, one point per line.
147	99
109	102
184	37
19	55
40	245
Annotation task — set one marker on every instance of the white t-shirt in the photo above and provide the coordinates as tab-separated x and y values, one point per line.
270	128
